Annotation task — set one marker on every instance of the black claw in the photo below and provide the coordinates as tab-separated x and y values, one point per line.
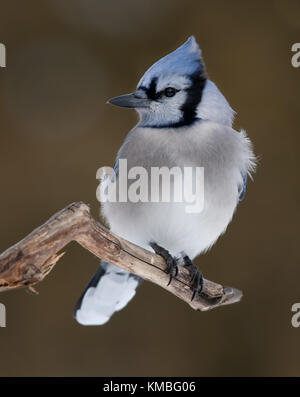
196	281
170	261
193	277
193	296
176	271
197	284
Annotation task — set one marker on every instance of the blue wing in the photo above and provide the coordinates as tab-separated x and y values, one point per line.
242	187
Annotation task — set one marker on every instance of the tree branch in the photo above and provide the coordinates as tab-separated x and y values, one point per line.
30	260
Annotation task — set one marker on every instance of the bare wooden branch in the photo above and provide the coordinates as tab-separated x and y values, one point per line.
30	260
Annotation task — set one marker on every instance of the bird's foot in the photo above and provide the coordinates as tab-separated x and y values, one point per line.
170	260
196	282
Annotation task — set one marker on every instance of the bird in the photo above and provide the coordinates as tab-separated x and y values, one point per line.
184	121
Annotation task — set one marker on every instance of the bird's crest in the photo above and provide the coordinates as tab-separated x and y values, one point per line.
185	60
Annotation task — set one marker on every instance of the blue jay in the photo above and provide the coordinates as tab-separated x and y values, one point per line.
184	120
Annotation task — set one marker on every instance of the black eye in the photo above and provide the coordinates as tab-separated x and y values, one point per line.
170	91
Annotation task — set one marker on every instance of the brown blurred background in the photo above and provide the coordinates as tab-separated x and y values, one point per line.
64	60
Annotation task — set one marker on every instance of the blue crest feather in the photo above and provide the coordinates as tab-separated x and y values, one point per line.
185	60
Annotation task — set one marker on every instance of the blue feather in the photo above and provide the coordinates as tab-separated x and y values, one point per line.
185	60
243	187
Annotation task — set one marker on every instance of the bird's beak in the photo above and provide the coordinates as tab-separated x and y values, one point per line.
130	101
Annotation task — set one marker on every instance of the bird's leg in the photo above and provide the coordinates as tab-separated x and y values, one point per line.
170	261
196	276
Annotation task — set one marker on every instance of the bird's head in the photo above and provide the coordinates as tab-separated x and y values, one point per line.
175	91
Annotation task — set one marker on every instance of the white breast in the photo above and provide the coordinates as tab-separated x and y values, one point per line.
223	153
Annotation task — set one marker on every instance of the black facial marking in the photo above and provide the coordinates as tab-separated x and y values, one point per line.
194	95
189	108
151	91
193	98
